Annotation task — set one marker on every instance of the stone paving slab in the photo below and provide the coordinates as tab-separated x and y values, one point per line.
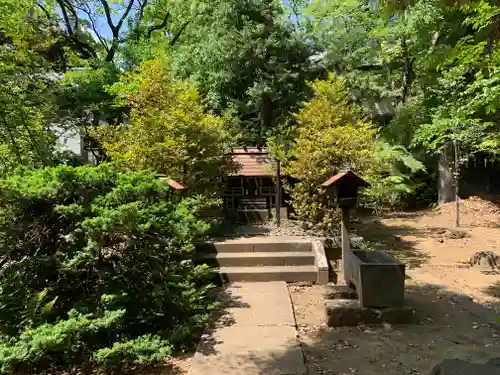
275	289
269	273
236	338
256	335
261	315
267	239
288	361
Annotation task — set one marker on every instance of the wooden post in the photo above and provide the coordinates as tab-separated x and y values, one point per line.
278	193
457	181
346	245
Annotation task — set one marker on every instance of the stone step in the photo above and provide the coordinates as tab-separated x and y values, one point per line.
269	273
253	215
253	200
252	203
245	246
252	209
253	259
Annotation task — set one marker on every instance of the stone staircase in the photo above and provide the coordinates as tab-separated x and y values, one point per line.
253	210
266	259
252	203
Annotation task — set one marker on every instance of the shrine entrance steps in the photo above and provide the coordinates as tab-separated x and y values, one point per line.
266	259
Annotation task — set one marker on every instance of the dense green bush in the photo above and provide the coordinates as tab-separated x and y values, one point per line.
95	267
329	136
391	178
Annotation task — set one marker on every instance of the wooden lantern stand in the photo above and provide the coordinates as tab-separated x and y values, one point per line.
343	188
374	281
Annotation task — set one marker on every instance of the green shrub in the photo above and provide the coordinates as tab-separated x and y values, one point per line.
329	136
95	267
391	178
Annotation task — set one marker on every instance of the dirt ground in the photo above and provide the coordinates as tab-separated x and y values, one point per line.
451	321
443	329
432	246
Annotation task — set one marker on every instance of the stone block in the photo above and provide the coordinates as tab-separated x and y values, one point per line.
459	367
396	315
348	312
339	291
270	361
281	246
231	247
253	216
321	262
323	277
378	278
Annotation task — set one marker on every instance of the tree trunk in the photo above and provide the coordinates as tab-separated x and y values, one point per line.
446	181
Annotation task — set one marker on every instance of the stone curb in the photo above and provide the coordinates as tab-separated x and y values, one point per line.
321	262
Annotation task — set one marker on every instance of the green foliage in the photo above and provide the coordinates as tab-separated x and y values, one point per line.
142	350
431	63
247	60
84	91
466	109
330	136
62	342
390	178
95	267
169	130
25	108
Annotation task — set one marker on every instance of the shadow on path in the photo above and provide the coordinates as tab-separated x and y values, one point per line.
221	318
493	290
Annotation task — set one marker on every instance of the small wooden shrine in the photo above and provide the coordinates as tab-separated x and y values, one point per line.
252	186
177	189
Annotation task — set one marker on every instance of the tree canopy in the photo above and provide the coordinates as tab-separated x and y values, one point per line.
248	60
423	72
169	130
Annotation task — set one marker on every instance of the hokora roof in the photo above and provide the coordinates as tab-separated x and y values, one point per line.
348	177
252	162
172	183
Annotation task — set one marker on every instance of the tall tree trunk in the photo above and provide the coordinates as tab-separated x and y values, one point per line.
266	119
446	180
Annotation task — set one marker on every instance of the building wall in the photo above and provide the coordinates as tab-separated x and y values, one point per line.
72	140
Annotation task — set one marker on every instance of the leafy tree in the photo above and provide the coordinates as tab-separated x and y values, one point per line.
92	31
465	94
333	136
424	70
169	130
95	268
85	38
382	49
26	96
24	138
247	60
392	178
330	136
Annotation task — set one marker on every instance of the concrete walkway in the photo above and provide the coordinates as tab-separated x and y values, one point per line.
256	335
